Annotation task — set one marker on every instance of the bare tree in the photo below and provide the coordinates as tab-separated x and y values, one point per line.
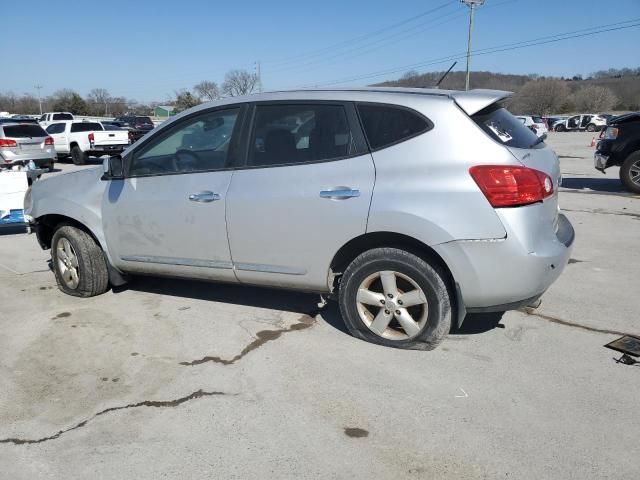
239	82
99	99
594	99
541	97
207	90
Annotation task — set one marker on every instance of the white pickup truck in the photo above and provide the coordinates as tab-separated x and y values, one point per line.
81	139
51	117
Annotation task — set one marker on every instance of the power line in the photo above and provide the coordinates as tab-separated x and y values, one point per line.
360	38
496	49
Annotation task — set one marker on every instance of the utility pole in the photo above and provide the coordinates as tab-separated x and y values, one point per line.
472	4
38	88
259	75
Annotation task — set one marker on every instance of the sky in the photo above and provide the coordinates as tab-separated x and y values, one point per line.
148	49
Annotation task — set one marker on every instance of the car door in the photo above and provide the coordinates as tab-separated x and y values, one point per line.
167	216
304	193
60	141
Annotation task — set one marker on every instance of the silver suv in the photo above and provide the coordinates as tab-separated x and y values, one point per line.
411	207
21	142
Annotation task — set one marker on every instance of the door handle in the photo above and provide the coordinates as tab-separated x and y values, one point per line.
204	197
340	193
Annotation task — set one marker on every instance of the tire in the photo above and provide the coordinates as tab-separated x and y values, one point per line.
591	127
92	277
630	173
431	322
559	128
78	156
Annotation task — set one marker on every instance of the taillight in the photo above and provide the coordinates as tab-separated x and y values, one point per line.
48	141
92	138
8	143
506	186
130	137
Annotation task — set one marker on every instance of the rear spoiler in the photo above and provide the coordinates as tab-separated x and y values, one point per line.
473	101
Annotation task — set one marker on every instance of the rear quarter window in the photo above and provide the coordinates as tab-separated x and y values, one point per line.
504	128
24	131
386	125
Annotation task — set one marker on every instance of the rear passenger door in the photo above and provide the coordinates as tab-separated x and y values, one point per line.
303	193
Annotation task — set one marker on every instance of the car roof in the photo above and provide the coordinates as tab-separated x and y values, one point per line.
470	101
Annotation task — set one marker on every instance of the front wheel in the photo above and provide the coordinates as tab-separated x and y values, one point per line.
630	173
78	263
559	128
394	298
591	127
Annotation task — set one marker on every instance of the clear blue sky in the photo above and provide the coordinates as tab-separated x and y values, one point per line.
147	49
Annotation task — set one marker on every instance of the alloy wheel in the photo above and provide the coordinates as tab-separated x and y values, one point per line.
392	305
67	263
634	172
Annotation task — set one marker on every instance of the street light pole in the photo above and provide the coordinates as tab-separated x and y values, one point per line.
472	4
39	87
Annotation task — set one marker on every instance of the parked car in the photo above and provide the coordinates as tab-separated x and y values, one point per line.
138	126
22	142
553	121
360	194
13	120
81	139
48	118
620	146
535	124
588	122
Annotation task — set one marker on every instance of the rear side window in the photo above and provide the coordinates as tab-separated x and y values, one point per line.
24	131
290	134
386	125
85	127
503	127
56	128
62	116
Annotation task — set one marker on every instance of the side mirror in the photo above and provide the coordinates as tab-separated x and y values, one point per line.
113	168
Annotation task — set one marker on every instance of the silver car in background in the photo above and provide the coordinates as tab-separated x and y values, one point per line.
23	142
410	207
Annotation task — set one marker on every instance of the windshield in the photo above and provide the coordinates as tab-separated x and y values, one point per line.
144	120
503	127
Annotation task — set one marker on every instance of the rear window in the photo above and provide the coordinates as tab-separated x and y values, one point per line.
537	119
24	131
386	125
62	116
144	120
503	127
85	127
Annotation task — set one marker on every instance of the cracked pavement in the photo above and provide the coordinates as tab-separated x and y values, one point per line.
180	379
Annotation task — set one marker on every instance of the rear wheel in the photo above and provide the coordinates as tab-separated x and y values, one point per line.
78	263
78	156
560	128
394	298
630	173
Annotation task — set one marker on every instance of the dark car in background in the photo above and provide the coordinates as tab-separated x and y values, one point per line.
138	126
620	146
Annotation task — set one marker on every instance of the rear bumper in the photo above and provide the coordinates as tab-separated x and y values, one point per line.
99	150
505	274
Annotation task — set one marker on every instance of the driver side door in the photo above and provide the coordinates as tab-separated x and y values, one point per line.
167	216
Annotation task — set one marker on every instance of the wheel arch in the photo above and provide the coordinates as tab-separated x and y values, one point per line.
354	247
49	223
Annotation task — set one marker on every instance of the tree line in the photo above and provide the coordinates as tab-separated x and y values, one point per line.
602	91
99	102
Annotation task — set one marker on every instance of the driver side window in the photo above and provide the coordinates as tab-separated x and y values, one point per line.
199	144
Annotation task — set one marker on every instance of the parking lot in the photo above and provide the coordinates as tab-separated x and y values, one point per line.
195	380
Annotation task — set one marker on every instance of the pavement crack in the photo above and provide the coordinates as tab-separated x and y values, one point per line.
549	318
147	403
600	211
262	337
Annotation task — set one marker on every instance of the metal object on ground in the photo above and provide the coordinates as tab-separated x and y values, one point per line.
629	346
